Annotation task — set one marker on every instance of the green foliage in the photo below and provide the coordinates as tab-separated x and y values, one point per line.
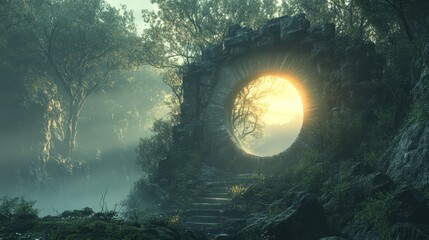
420	107
154	219
309	173
378	212
395	16
344	129
83	42
347	16
152	226
275	210
426	193
174	177
186	168
179	30
72	229
340	189
12	14
238	190
155	148
172	185
143	199
378	137
17	208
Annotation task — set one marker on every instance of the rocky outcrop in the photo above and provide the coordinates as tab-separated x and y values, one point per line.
333	238
413	206
362	232
303	220
409	231
364	184
407	159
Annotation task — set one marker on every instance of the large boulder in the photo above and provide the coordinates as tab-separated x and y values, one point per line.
304	220
410	231
293	28
333	238
362	232
369	184
413	206
362	182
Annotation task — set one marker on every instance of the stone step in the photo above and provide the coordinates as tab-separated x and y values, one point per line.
217	194
223	184
203	225
210	205
202	211
219	189
215	200
204	219
239	220
232	180
212	210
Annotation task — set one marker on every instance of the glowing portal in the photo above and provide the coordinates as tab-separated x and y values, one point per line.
267	116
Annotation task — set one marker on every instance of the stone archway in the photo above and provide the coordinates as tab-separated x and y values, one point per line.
234	76
283	46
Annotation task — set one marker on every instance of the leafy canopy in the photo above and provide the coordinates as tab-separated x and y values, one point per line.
179	30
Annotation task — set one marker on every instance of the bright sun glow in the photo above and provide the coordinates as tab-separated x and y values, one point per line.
284	103
268	115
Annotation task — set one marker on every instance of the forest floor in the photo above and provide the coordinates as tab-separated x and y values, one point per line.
91	228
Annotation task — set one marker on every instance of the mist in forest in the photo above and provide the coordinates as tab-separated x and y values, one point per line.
104	161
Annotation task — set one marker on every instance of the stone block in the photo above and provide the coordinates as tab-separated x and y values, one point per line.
212	52
324	32
293	28
237	36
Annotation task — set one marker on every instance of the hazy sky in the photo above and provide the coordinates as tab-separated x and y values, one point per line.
137	6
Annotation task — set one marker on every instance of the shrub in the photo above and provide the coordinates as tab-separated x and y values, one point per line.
17	207
143	195
154	219
309	172
378	212
378	136
420	108
238	190
155	148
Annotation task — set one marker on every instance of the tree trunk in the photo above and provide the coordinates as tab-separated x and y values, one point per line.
399	9
405	25
71	128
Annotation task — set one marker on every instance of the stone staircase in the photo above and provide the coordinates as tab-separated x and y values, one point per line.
212	212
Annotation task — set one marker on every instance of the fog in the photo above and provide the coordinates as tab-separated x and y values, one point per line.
277	138
104	161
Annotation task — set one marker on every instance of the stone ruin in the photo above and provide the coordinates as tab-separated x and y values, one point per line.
330	71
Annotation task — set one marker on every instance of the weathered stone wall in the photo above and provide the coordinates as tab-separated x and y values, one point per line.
326	69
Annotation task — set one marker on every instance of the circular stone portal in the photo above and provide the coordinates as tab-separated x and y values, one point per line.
267	116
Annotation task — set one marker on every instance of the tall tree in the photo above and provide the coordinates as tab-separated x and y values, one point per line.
346	14
83	42
179	30
387	16
11	14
